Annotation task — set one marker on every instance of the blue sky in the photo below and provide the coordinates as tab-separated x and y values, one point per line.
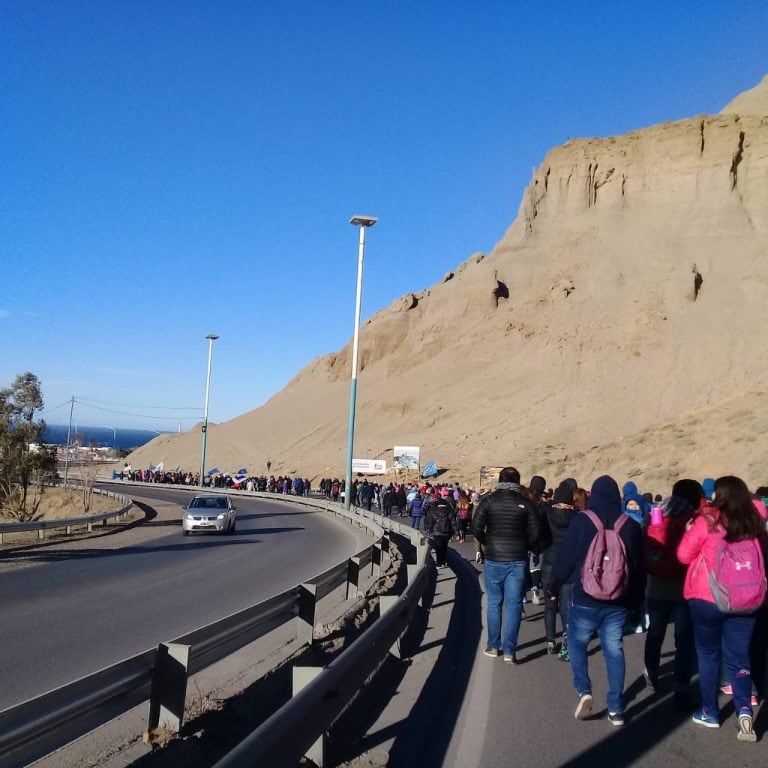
172	169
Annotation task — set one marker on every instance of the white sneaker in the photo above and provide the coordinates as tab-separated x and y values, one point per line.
584	707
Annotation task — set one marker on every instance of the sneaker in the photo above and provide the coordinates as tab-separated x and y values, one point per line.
754	701
492	652
616	719
510	659
551	647
745	732
651	681
563	655
708	721
478	558
727	689
584	707
536	599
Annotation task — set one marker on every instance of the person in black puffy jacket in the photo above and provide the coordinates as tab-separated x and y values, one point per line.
507	524
440	524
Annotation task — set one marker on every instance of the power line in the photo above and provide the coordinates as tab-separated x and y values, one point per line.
85	400
136	415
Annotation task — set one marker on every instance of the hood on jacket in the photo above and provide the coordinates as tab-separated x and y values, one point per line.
604	498
708	486
629	489
563	494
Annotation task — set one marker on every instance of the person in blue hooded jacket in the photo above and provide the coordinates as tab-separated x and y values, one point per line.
587	614
634	504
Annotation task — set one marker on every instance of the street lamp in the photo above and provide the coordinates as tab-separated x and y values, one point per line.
114	437
363	222
211	338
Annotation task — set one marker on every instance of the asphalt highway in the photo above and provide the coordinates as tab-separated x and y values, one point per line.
68	610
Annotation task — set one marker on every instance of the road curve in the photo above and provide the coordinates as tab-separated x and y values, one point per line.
72	610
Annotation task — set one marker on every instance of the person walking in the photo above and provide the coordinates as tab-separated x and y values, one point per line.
440	525
729	533
507	525
417	506
664	595
608	580
559	514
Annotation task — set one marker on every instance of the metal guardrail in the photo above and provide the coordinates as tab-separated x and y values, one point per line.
69	523
46	722
297	728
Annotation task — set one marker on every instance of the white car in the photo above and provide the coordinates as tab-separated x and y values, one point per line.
209	512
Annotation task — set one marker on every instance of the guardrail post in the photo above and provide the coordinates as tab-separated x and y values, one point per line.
386	603
303	676
412	571
353	576
169	688
421	553
376	559
305	621
40	534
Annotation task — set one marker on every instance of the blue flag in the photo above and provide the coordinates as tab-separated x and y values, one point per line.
430	469
214	471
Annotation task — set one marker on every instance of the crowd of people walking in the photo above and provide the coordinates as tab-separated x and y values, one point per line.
612	562
608	562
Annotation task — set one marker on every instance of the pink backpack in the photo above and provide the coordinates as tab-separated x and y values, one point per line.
605	573
737	578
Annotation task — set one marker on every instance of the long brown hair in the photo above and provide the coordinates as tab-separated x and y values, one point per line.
580	499
737	512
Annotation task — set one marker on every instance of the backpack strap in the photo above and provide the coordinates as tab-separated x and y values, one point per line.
596	521
620	520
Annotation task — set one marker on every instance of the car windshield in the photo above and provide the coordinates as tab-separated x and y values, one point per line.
212	503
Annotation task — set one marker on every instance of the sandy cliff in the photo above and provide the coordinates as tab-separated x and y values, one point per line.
617	326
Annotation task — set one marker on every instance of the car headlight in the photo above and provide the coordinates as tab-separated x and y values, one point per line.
221	516
189	516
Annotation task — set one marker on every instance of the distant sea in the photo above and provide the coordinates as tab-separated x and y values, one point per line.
127	439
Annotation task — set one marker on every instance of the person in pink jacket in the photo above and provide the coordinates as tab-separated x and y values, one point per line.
732	514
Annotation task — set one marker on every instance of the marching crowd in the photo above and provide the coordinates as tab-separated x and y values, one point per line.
611	562
607	562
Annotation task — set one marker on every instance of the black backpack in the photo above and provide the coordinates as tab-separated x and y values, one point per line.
442	517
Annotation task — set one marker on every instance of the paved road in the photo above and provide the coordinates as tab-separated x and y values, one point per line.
67	610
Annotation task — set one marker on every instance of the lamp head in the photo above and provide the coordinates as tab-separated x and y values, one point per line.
212	336
363	221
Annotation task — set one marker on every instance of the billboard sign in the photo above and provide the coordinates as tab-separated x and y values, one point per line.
369	466
406	457
489	476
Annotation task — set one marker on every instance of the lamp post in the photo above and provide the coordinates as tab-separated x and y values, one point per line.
363	222
114	437
211	338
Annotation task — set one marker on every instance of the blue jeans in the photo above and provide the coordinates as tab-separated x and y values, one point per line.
608	622
416	521
504	586
731	634
659	614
